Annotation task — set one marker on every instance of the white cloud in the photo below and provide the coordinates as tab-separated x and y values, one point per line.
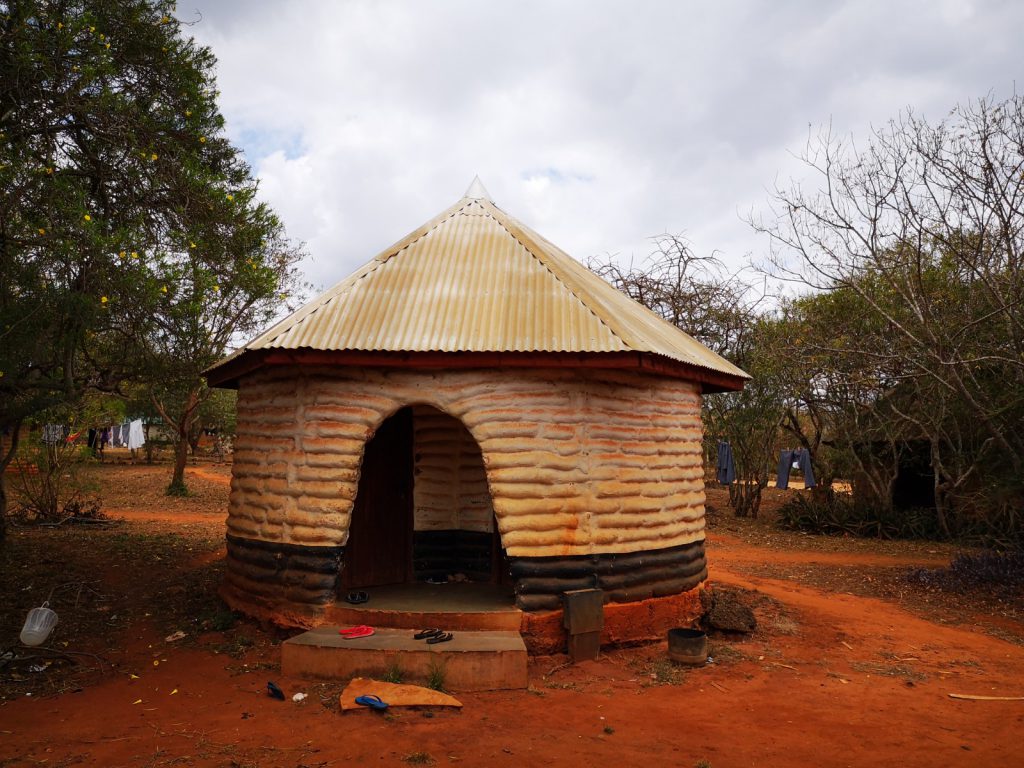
600	124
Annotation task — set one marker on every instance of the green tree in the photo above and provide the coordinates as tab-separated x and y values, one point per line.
840	366
750	420
225	278
924	226
113	163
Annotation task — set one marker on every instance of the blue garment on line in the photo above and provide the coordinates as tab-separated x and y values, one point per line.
802	458
726	467
785	464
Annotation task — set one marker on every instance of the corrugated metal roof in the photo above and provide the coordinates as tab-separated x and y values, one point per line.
474	279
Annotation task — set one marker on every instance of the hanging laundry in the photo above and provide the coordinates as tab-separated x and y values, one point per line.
785	465
53	433
91	442
804	460
136	435
726	466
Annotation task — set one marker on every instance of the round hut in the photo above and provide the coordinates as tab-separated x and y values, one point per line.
472	405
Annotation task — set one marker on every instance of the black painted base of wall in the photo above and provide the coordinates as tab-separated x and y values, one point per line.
625	578
440	554
305	579
289	573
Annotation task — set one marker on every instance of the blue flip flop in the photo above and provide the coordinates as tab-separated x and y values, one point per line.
274	692
371	701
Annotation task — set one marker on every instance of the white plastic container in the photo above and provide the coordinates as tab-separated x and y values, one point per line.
38	625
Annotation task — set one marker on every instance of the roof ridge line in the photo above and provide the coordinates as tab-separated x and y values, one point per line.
554	274
519	239
346	285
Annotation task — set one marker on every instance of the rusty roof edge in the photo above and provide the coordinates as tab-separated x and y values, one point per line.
228	372
563	266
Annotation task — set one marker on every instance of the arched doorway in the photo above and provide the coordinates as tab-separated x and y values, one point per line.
423	511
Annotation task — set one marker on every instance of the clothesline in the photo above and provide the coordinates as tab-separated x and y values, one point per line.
794	459
789	459
130	434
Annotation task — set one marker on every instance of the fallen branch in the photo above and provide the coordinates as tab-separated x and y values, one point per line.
76	520
560	666
973	697
786	666
68	654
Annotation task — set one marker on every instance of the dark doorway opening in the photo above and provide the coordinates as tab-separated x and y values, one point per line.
423	509
380	533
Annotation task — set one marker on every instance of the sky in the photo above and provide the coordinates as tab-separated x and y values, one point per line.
599	124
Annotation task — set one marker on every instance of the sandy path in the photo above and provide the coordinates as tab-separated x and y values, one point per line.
725	549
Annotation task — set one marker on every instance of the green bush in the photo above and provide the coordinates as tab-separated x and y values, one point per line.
1002	572
834	515
50	485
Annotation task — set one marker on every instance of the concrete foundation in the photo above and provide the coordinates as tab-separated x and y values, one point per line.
471	661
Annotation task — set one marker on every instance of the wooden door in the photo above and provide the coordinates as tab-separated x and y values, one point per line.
379	549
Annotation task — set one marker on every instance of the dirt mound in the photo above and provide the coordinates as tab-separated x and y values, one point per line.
728	610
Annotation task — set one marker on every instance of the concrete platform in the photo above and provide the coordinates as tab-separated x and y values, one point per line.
472	660
465	606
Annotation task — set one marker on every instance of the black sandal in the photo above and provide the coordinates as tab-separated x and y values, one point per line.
357	598
426	633
444	637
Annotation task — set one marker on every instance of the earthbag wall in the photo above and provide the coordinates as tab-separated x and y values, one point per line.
595	478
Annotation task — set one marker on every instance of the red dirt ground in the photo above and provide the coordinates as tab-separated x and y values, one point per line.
830	678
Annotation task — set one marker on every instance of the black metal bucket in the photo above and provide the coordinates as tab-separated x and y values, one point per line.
688	646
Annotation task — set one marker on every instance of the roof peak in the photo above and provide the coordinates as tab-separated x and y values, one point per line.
477	191
475	280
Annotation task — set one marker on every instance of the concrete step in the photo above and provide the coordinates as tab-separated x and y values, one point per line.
471	661
415	606
509	620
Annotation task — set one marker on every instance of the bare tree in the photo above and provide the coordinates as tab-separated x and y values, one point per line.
723	312
924	225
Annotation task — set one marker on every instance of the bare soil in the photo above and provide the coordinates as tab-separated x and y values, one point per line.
851	664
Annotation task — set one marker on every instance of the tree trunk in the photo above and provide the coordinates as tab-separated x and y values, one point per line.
3	507
195	435
177	486
939	489
181	444
5	460
745	497
149	445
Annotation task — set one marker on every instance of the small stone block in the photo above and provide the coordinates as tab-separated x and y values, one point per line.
584	610
585	646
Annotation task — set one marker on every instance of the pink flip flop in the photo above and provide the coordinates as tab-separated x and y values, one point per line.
355	632
349	630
